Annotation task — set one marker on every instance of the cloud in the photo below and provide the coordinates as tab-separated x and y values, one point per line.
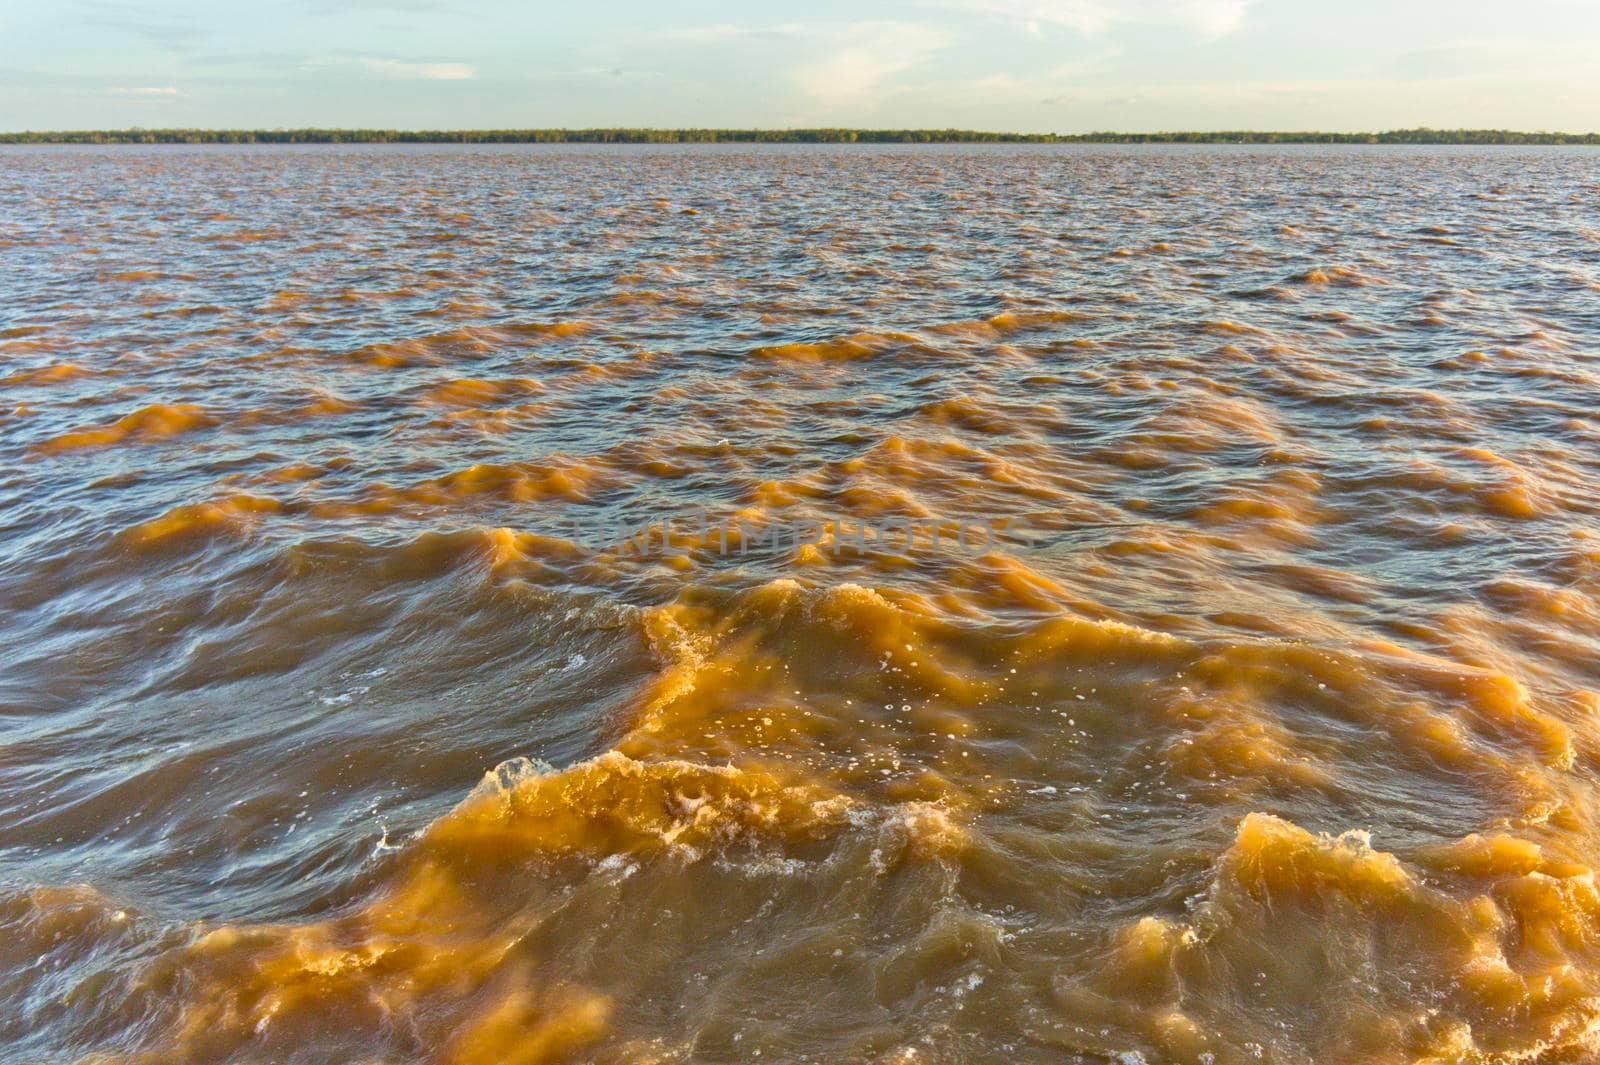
858	58
163	90
394	68
1047	87
1210	18
846	63
1214	18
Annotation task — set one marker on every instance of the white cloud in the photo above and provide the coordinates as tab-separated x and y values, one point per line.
1214	18
844	63
393	68
858	59
1022	88
1210	18
162	90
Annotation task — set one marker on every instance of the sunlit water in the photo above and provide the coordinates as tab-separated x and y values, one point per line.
327	738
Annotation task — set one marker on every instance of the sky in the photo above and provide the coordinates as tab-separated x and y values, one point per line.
1062	66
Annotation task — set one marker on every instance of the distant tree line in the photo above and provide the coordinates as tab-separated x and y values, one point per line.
771	136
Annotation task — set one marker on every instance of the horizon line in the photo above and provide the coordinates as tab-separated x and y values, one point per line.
1421	135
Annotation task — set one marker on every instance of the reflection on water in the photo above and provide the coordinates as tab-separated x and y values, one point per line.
324	740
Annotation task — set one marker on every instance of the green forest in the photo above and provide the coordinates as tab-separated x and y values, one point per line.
772	136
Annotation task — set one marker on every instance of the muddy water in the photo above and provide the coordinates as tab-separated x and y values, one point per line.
329	735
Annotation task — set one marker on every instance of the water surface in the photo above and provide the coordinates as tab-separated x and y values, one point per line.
327	736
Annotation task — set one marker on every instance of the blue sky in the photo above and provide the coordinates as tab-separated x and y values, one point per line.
1040	65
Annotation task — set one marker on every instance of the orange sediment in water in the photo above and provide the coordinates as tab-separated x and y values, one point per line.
154	422
807	606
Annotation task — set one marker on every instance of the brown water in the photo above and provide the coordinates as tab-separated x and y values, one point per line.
327	738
